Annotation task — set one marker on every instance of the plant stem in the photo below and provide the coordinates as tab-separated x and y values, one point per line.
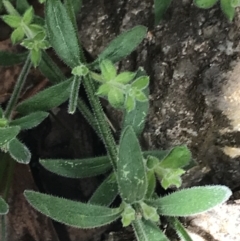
181	231
18	87
103	127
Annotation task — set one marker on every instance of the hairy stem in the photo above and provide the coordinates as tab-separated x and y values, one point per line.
18	87
103	127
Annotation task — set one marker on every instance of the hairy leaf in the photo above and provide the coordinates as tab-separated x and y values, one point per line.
19	152
136	118
122	45
227	9
46	99
61	32
106	192
76	214
77	168
29	121
3	207
179	156
191	201
8	133
160	7
131	172
205	3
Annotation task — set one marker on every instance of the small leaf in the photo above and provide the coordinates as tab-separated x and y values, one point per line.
28	16
205	3
35	56
9	8
140	96
125	77
104	89
131	173
136	118
116	97
149	213
128	215
108	70
59	28
46	99
130	103
29	121
106	192
235	3
141	83
122	45
191	201
49	69
227	9
8	59
160	7
17	35
8	133
179	156
19	152
77	168
73	99
146	230
170	177
3	207
12	21
76	214
151	184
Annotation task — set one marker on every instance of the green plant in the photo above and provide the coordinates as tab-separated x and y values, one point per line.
227	6
131	172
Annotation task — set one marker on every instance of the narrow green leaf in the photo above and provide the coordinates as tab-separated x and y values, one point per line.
8	59
137	117
50	70
179	156
235	3
104	89
116	97
18	151
130	103
227	9
46	99
122	45
146	230
11	20
160	7
106	192
131	172
77	168
9	8
160	154
151	183
28	15
8	133
75	86
141	82
35	56
59	28
140	96
125	77
205	3
29	121
3	207
108	70
76	214
191	201
17	35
